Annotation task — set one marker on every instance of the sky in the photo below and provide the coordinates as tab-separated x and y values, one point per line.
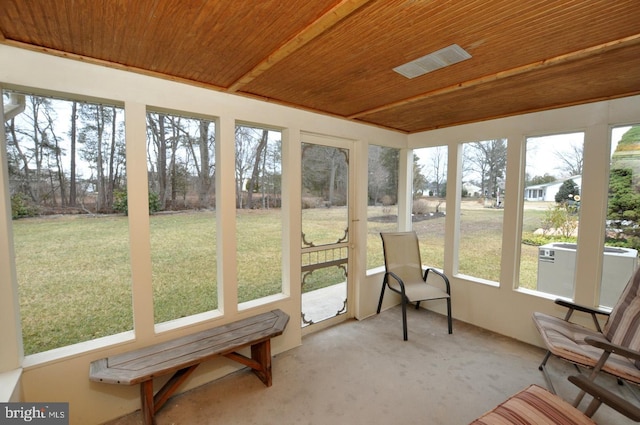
542	151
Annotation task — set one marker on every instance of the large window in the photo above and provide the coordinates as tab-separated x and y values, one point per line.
258	212
552	193
382	205
181	169
481	209
622	237
66	168
429	208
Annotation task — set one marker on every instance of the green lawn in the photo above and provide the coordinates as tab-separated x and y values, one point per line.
74	272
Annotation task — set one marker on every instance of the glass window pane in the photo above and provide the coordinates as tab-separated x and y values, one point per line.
429	207
553	178
181	167
258	212
382	210
66	168
623	213
484	165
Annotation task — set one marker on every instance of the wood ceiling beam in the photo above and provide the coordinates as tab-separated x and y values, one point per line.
545	63
337	13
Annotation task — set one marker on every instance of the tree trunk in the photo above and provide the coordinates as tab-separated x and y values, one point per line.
101	201
72	171
204	180
253	183
162	163
112	160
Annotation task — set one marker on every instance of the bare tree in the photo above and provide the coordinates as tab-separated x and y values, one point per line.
438	172
255	175
103	148
571	160
51	142
206	169
245	158
377	174
325	173
73	192
29	142
419	182
488	160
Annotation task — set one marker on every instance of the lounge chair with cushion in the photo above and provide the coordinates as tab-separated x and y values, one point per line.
536	406
614	349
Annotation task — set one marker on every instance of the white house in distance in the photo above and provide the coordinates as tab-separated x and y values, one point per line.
547	191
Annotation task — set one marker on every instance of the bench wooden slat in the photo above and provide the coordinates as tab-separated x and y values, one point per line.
168	345
167	357
189	350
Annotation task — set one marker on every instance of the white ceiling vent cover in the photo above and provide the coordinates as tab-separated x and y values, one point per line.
436	60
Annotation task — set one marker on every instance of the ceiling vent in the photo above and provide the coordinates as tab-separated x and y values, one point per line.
433	61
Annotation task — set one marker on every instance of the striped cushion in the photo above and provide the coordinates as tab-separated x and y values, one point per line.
566	340
622	326
536	406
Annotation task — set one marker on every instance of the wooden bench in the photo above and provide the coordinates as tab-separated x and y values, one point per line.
182	355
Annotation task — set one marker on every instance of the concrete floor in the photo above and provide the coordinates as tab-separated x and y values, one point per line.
361	372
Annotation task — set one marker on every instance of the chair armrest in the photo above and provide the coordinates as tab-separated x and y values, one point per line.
606	345
583	308
397	279
441	275
607	397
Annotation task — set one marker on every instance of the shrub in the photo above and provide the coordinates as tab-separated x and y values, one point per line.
20	207
561	219
387	200
538	240
120	202
154	202
420	206
308	203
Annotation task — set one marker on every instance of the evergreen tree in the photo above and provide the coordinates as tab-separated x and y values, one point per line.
624	200
567	191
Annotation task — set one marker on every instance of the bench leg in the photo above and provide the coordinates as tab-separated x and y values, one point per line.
171	386
260	361
151	403
146	401
261	353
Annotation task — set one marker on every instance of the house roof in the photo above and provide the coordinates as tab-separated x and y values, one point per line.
337	57
576	179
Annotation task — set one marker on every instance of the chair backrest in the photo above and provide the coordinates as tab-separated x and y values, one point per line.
623	326
402	254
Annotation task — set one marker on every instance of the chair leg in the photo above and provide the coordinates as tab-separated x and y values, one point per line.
545	373
384	284
417	305
404	318
592	407
449	319
544	361
547	378
592	377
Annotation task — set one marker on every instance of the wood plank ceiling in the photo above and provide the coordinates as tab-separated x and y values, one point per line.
337	57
